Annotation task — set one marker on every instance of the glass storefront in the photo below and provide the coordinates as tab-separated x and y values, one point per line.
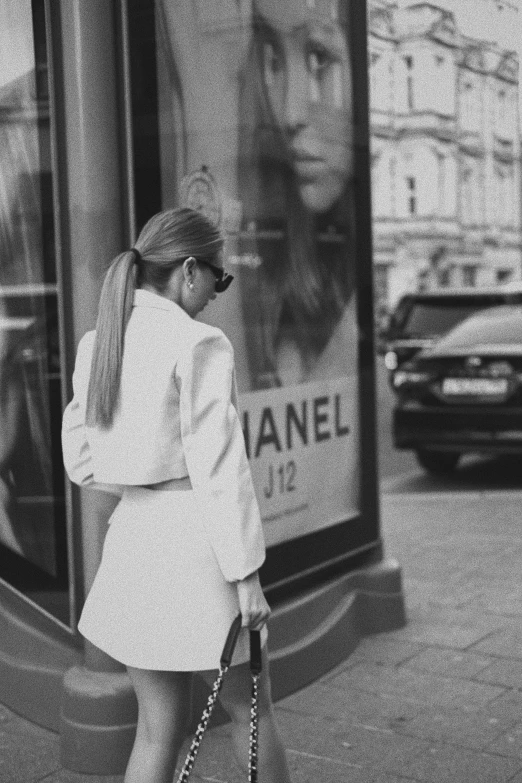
256	113
245	110
33	545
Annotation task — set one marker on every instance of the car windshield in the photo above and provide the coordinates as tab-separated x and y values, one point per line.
495	326
434	318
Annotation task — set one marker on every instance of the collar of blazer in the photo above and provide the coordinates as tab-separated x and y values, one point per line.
144	298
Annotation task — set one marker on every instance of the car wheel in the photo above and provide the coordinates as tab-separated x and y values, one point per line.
438	462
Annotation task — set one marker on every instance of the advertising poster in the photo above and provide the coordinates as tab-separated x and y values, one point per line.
255	107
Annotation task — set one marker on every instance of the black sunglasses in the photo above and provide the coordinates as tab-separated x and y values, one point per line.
223	279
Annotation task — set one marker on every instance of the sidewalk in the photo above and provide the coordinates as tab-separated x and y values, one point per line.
436	701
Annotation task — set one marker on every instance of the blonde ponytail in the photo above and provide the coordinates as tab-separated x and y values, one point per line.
114	311
164	241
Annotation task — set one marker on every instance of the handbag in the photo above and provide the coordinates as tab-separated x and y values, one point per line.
255	671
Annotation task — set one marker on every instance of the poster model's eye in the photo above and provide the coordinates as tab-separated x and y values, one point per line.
325	73
318	60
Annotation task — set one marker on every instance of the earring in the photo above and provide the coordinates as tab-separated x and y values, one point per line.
191	286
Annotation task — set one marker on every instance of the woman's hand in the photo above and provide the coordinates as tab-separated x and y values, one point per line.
253	605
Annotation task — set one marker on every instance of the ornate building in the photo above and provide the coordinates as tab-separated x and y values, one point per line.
446	152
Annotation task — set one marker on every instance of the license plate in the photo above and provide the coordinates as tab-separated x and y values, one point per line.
480	387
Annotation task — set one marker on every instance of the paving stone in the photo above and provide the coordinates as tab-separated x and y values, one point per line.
27	752
307	768
215	766
381	649
370	748
452	764
502	672
65	776
446	634
509	743
508	705
435	593
498	604
474	618
475	730
448	662
517	778
491	600
416	686
384	777
216	760
353	706
506	643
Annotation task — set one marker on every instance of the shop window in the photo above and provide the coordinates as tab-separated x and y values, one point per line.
501	110
466	196
441	183
408	61
469	275
33	547
411	185
504	275
505	195
468	99
392	174
444	277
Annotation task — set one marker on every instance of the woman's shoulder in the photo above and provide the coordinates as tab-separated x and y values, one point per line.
203	333
205	343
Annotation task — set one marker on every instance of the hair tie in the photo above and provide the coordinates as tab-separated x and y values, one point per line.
137	255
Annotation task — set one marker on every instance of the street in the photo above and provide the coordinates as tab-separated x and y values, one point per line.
400	473
437	701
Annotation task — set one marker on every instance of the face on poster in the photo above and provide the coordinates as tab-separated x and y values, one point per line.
263	146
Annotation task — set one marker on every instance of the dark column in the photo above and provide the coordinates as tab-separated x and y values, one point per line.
98	712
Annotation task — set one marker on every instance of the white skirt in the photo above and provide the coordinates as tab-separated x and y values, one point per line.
159	599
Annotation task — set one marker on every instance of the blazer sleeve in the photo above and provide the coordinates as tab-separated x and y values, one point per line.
77	457
216	457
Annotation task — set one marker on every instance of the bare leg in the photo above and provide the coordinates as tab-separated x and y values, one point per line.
163	714
235	697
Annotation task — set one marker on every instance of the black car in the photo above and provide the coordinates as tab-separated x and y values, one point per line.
464	394
420	319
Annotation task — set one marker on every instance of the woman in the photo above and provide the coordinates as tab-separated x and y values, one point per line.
154	413
295	184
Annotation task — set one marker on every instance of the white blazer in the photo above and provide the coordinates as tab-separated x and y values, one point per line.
177	416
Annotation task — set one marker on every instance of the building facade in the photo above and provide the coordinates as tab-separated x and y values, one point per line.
446	160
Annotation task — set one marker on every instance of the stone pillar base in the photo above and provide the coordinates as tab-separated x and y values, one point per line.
97	721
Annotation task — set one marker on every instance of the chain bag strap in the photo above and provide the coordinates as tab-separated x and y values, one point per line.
224	665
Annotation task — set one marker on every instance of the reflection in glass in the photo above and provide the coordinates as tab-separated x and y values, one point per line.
31	495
